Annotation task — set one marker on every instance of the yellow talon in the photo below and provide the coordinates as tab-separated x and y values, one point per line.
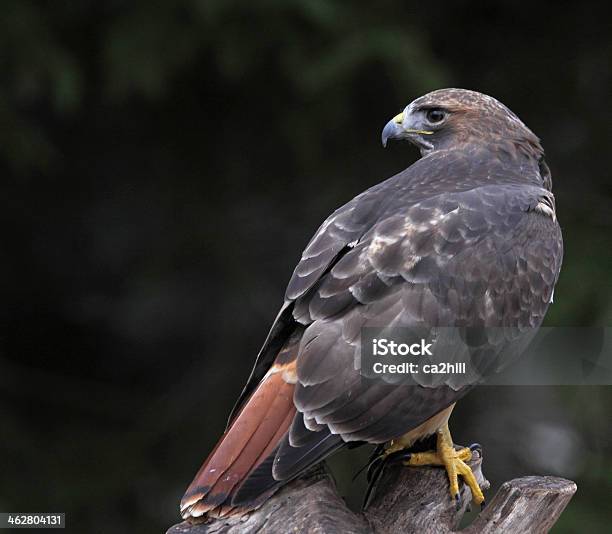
454	462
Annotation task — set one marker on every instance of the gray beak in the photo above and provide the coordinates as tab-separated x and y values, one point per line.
393	129
396	129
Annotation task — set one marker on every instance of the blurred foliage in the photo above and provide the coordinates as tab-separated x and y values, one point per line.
165	163
69	53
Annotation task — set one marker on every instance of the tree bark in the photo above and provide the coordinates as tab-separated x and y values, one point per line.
407	500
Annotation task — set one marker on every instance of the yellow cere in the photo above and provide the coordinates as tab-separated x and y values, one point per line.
399	118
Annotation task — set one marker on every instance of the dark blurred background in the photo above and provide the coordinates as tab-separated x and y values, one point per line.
164	164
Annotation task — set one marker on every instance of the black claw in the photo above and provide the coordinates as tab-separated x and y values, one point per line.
457	502
375	467
398	457
482	505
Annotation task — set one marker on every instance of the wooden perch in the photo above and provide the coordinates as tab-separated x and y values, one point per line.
407	500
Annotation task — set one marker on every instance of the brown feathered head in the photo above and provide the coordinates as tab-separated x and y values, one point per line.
451	118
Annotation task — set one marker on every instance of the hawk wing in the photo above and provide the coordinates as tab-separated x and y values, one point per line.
338	233
427	178
483	257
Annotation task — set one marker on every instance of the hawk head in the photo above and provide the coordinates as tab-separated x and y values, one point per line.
449	118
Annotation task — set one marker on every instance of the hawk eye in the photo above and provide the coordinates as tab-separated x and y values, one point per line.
435	115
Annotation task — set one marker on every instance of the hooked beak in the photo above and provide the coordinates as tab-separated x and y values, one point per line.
395	129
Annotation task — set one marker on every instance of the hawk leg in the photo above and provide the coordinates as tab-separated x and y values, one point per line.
453	460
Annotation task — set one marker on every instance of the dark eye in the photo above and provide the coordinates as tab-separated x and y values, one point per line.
435	115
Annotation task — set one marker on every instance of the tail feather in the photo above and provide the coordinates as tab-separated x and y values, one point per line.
253	435
258	486
255	456
256	445
291	461
263	481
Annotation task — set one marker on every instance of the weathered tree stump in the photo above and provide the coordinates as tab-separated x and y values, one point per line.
407	500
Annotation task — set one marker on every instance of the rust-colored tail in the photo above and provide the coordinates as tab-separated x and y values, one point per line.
250	440
266	445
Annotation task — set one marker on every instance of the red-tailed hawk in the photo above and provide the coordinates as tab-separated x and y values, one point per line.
466	236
